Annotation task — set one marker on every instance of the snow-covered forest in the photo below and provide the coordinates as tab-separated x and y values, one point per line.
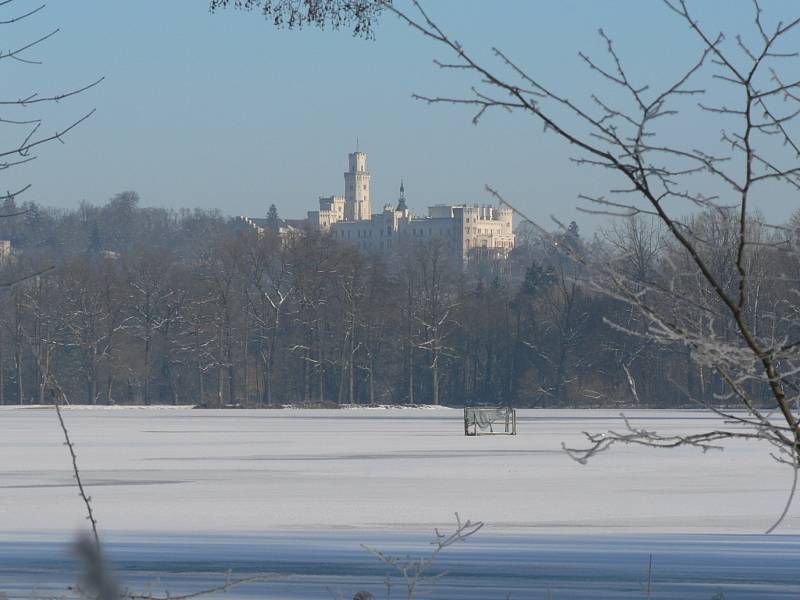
155	306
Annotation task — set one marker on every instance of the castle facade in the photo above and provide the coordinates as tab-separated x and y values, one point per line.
464	231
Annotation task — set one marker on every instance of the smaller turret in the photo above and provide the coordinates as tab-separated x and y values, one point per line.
401	202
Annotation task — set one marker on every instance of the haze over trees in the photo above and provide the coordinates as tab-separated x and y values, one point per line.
149	305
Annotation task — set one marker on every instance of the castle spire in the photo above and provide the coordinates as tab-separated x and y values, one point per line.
401	203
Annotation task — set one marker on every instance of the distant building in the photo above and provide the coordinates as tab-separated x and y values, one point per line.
331	210
464	231
357	204
286	227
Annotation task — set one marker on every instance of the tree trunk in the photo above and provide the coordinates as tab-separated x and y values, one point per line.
18	367
246	347
147	369
273	339
307	368
92	376
200	387
220	371
410	373
266	395
109	385
320	369
435	378
231	368
2	374
371	382
350	370
343	373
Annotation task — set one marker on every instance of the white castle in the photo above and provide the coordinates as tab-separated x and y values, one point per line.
465	231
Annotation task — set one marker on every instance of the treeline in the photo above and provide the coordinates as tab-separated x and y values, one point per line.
152	306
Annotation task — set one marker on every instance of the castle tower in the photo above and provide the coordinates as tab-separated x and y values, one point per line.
402	208
358	206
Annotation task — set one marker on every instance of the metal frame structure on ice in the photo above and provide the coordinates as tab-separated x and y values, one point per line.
481	420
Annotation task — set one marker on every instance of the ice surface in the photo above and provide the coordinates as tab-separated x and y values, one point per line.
319	565
236	471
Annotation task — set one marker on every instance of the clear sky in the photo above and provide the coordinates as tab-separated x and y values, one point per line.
223	111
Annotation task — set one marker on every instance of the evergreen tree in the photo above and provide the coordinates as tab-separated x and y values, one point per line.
572	230
273	221
536	279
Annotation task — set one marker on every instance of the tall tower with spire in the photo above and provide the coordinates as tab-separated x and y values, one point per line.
358	206
402	208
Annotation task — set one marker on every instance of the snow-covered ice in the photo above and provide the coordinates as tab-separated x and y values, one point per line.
237	471
317	566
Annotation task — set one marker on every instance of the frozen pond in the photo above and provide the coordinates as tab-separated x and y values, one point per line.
186	470
319	566
296	491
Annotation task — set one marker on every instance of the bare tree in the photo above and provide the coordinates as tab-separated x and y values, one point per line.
84	320
268	289
25	137
431	260
737	80
26	131
360	15
414	572
627	138
636	247
564	315
148	294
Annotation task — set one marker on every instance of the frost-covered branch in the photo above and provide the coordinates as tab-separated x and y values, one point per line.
414	571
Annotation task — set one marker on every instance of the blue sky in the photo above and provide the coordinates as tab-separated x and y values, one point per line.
223	111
